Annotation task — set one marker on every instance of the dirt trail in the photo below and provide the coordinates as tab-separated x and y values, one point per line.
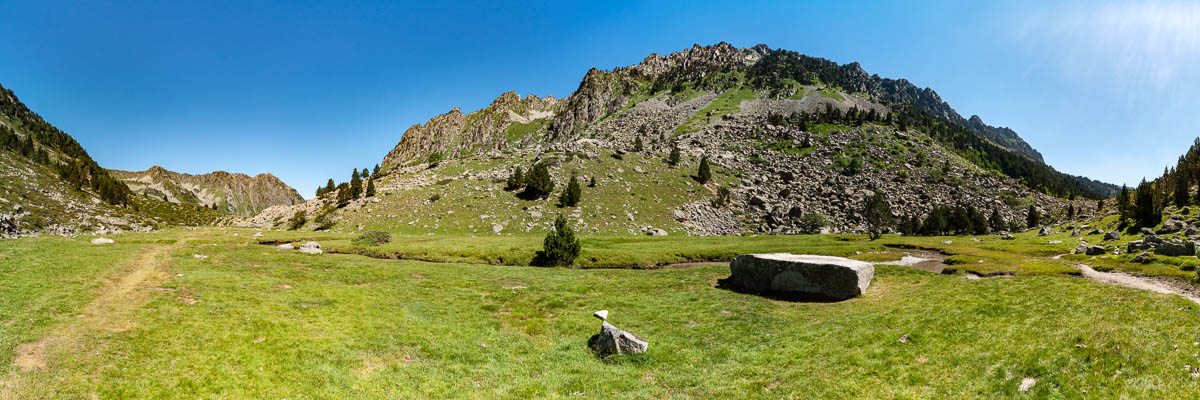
117	299
1157	285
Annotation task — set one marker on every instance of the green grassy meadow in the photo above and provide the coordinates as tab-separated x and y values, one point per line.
254	321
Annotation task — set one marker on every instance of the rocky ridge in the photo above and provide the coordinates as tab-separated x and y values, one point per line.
231	193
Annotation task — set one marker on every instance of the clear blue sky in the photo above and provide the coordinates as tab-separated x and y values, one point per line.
308	90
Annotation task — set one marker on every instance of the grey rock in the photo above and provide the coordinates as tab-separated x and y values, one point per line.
1136	246
102	241
1175	248
1171	226
1006	236
757	201
1142	258
1095	250
496	228
1155	240
656	232
1146	231
1045	231
826	277
613	340
286	246
679	215
1113	235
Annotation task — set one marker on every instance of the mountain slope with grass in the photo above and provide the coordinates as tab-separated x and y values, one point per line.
49	184
795	144
230	193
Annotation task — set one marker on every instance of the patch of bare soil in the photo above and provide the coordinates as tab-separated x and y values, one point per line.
1153	284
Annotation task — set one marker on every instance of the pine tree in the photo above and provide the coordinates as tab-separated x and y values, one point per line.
570	196
1099	206
673	159
370	187
1033	218
329	187
375	172
538	184
560	247
997	221
1123	206
638	146
878	214
704	173
516	179
355	185
1146	213
1181	189
592	182
1070	211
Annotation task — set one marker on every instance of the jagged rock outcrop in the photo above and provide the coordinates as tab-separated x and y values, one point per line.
507	121
231	193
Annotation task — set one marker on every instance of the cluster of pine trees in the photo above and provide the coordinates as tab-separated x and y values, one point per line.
957	220
347	191
77	168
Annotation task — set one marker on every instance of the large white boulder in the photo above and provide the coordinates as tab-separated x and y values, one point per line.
832	278
311	248
102	241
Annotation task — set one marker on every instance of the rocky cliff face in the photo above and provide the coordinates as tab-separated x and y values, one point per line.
509	120
231	193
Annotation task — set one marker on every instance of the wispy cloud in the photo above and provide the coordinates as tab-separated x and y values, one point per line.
1155	44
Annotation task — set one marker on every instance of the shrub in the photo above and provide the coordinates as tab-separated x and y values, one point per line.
435	197
372	238
434	159
592	183
638	146
560	247
297	220
324	219
673	159
812	223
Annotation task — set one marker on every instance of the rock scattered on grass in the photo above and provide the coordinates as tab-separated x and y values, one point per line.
824	277
311	248
613	340
1026	384
102	241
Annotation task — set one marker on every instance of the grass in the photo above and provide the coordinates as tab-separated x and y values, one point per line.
832	93
727	102
517	131
268	323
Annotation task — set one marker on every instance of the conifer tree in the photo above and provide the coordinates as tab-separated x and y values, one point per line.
878	214
560	248
329	187
673	159
1146	213
370	187
592	182
516	179
355	185
1123	206
704	173
538	184
1181	189
638	146
997	221
1033	218
570	196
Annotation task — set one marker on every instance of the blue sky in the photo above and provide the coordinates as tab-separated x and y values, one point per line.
308	90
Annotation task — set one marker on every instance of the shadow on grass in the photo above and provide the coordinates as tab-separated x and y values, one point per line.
795	297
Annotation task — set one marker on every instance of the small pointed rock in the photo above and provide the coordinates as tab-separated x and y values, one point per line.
602	314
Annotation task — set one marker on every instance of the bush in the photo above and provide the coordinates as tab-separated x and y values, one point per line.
434	159
673	159
878	214
560	247
434	198
297	220
372	238
324	219
812	223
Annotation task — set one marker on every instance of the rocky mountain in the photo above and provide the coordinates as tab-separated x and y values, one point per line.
49	184
230	193
797	143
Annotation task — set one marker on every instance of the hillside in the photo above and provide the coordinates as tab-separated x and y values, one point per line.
798	143
49	184
230	193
